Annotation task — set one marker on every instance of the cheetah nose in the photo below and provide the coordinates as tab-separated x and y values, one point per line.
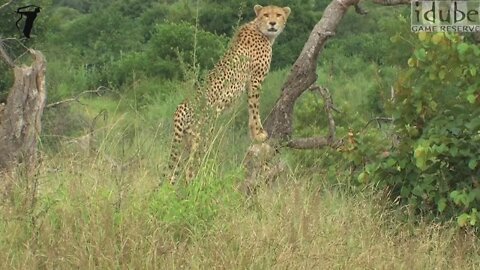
273	23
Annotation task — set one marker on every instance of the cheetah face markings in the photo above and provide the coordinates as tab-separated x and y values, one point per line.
271	20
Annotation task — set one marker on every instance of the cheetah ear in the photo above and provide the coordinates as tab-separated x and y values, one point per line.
287	11
257	9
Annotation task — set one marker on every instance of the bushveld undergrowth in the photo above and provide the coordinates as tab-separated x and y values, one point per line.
108	214
97	201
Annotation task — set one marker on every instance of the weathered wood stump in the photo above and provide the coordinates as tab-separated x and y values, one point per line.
20	117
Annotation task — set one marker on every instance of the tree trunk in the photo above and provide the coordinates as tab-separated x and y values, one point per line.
303	76
304	72
20	117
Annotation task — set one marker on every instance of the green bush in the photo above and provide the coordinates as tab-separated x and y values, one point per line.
174	44
435	167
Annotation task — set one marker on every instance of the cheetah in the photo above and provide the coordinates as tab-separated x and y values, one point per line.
243	67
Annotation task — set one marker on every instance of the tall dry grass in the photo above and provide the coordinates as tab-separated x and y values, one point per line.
91	214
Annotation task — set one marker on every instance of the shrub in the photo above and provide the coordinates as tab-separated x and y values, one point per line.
435	168
172	44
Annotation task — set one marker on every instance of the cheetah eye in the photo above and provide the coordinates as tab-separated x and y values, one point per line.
265	15
279	15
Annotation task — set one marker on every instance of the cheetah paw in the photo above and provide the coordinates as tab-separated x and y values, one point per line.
261	136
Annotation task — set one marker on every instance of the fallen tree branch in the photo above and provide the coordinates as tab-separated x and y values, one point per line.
77	98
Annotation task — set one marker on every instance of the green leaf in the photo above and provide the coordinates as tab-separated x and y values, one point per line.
405	191
463	219
454	151
395	38
472	164
422	36
420	155
473	70
421	54
476	50
442	204
391	162
473	221
455	196
362	177
462	48
471	98
418	191
437	38
442	74
474	217
411	62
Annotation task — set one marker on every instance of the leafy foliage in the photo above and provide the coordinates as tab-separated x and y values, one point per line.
435	167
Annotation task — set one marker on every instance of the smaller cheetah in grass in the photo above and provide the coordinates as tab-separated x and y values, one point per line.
243	67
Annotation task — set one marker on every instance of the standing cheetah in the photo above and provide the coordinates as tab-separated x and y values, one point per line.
244	66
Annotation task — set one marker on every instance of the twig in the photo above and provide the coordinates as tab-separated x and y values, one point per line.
319	142
4	55
317	88
378	120
77	98
7	4
327	97
392	2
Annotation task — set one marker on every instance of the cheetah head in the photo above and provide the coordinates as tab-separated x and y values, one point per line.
271	20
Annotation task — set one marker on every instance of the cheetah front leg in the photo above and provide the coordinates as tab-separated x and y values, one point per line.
257	133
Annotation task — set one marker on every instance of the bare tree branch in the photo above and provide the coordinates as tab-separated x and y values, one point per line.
7	4
328	107
77	98
379	120
318	142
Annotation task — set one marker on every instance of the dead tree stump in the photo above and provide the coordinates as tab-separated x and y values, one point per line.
20	117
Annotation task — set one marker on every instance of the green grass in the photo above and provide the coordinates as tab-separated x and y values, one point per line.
107	209
104	214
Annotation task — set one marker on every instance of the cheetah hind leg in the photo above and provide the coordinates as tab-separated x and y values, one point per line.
199	135
181	125
194	159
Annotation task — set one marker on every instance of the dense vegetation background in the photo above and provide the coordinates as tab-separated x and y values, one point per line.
396	191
